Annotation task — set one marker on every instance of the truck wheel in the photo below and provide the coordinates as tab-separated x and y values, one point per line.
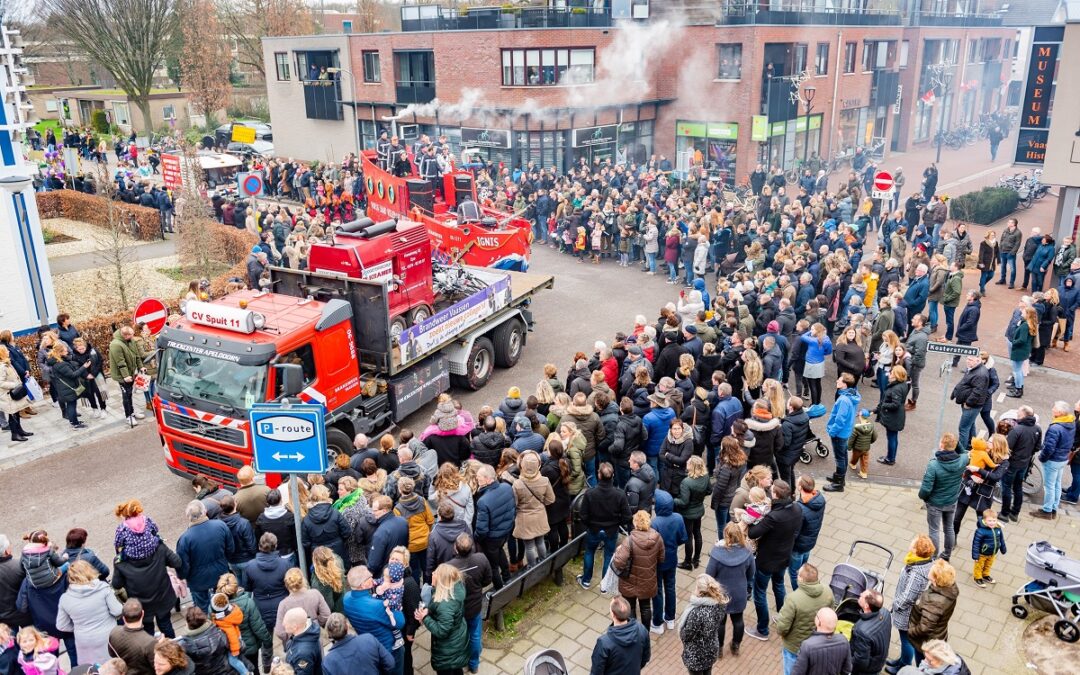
337	443
509	339
397	326
420	314
480	364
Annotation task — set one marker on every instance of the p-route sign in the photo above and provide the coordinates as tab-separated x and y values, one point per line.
288	438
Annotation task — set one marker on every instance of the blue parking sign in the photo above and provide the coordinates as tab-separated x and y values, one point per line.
288	438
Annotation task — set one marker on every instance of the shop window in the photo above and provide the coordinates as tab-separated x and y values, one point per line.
801	52
849	57
821	60
281	62
730	61
372	71
905	46
923	119
546	67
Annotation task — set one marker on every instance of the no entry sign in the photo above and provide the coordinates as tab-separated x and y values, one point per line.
883	181
153	313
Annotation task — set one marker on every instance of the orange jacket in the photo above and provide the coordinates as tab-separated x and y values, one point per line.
230	625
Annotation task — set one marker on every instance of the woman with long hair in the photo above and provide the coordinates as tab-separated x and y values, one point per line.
300	595
914	578
68	378
89	609
636	560
773	392
818	346
891	412
886	357
13	408
988	259
445	620
1021	342
731	563
700	624
848	354
1048	310
690	502
449	485
557	470
328	577
533	493
729	468
988	462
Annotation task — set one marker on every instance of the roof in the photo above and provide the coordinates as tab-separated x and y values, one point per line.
284	314
1024	13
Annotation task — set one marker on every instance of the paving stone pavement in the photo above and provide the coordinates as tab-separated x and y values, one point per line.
982	629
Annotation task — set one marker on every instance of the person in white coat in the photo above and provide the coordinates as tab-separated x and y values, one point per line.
89	609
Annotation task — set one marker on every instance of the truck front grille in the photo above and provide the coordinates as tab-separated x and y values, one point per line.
197	461
214	432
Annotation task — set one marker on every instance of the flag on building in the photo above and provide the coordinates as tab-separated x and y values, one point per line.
928	97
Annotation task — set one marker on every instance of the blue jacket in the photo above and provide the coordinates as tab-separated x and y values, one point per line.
699	285
917	293
204	549
304	653
244	546
1044	255
89	556
842	416
658	421
987	541
968	326
813	515
671	527
390	531
357	654
727	410
816	353
622	650
367	614
496	509
1058	440
265	578
19	362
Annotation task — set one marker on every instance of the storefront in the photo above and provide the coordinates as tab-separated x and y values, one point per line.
593	144
492	145
787	141
711	145
854	128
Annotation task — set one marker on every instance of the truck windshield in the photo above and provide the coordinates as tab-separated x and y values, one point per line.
218	381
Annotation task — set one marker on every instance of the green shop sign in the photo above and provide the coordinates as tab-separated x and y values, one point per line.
778	128
759	128
693	129
723	130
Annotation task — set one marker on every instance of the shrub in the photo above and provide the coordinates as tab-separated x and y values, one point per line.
100	121
94	209
984	207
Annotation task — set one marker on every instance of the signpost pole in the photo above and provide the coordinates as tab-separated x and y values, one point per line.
946	373
294	496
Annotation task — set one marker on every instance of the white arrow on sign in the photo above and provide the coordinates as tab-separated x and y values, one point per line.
278	456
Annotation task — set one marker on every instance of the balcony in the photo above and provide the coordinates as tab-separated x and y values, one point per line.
970	20
416	18
748	12
416	91
322	99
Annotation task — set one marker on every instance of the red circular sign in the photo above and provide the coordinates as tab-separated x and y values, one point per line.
883	181
252	185
153	313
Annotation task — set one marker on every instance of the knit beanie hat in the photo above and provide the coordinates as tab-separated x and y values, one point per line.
513	393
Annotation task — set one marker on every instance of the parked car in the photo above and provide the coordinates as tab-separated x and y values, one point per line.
223	134
263	148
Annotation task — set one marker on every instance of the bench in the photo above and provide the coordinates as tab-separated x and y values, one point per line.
497	600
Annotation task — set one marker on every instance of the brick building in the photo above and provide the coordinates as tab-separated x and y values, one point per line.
554	86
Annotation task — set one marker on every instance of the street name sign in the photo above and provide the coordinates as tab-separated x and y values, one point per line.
949	348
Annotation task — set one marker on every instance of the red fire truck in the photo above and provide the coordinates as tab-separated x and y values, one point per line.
335	335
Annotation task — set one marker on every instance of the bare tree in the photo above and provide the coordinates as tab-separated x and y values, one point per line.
204	59
249	21
197	246
129	38
116	246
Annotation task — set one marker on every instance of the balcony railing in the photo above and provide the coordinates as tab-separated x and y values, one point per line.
490	18
416	91
969	20
322	99
748	12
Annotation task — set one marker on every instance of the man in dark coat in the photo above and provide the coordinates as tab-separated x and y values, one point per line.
812	503
11	578
204	549
775	534
302	650
1024	439
476	572
354	653
825	651
603	509
870	636
967	328
624	648
390	531
971	393
496	509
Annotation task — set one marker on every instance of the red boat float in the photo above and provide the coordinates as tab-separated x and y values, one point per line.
460	227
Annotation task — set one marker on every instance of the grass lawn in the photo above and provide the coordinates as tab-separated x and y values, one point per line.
187	274
44	125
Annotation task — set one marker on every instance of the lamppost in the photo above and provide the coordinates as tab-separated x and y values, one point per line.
940	76
804	95
352	104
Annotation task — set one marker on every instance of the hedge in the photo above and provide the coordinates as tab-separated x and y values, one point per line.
95	210
984	207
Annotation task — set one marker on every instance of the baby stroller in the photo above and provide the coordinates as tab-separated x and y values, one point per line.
1054	588
822	450
546	662
850	580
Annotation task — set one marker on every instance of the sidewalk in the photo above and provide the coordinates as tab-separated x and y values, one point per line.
85	261
52	433
982	629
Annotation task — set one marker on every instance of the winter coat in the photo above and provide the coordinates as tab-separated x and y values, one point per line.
725	483
823	653
622	650
1059	438
698	631
691	500
367	615
134	645
967	327
914	579
487	447
657	422
643	550
417	514
915	296
9	380
279	522
208	649
390	531
357	654
862	436
532	494
575	455
813	516
453	448
496	510
671	527
931	613
67	376
941	480
674	454
588	423
891	412
203	549
412	470
449	636
310	600
734	569
1024	439
842	416
628	437
265	579
253	629
796	431
90	611
324	526
938	277
973	388
987	540
125	357
795	622
476	573
870	637
440	545
768	441
1021	343
11	579
251	500
244	545
147	580
641	489
559	510
304	653
776	534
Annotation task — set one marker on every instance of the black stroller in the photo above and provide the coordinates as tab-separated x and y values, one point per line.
814	442
546	662
850	580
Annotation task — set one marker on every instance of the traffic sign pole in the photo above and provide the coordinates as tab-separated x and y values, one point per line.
294	496
946	372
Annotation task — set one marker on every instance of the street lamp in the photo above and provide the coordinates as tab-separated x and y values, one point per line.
940	75
352	88
808	98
